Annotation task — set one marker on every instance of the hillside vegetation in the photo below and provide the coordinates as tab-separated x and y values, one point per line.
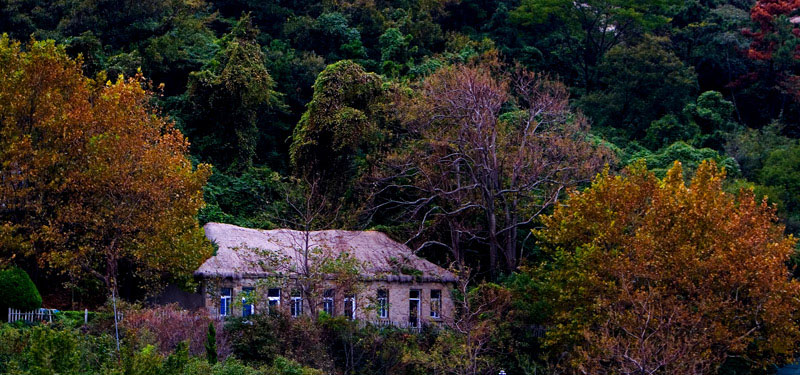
616	182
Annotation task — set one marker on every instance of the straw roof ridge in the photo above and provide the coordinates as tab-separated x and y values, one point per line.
248	253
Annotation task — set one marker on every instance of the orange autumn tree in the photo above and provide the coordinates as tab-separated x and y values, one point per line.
651	276
92	179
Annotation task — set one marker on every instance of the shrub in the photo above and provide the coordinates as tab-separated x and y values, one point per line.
233	366
12	344
170	325
177	361
18	291
53	351
266	336
75	319
144	362
197	366
211	343
284	366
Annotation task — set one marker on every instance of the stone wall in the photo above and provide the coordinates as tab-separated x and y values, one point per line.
366	299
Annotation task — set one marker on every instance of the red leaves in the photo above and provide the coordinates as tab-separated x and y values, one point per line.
765	14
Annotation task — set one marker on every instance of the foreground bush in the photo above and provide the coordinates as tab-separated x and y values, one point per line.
168	326
44	349
335	345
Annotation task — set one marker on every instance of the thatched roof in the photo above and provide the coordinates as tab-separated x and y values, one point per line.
245	253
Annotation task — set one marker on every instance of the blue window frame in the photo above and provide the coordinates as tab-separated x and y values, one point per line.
225	301
247	302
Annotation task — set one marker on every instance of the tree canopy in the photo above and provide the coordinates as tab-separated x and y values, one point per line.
93	178
650	275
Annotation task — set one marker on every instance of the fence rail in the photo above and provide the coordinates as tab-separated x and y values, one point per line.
31	316
411	326
45	315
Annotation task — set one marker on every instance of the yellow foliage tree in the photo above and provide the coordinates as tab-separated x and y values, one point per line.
91	177
651	276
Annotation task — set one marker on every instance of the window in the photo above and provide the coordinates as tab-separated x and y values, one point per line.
413	308
350	306
436	303
225	301
383	303
297	304
248	294
327	301
274	297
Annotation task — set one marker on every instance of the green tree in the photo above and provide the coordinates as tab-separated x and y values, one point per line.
643	82
330	35
782	172
247	200
752	147
592	28
394	52
668	130
226	98
690	157
713	115
169	58
344	122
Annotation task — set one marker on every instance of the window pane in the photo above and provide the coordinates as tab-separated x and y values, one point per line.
436	303
225	301
413	312
297	306
273	297
327	301
297	303
383	303
413	308
247	299
350	306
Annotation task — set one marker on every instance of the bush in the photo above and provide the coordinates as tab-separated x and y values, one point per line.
146	361
232	366
283	366
40	350
43	349
52	351
75	319
170	325
265	337
17	291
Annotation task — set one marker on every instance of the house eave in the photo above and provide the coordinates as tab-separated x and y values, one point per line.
373	278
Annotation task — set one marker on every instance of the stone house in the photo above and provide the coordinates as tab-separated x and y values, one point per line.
394	285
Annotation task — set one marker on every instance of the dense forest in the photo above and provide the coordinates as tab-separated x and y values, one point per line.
458	127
